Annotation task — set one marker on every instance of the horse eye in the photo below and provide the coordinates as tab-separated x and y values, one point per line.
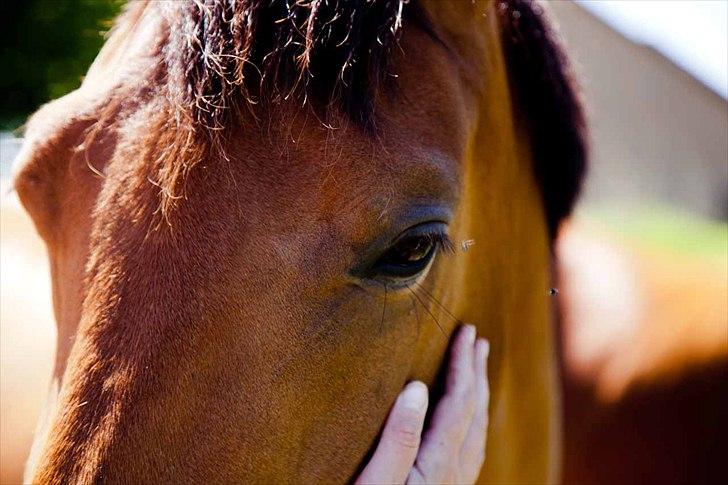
407	257
409	251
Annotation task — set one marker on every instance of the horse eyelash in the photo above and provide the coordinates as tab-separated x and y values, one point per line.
441	241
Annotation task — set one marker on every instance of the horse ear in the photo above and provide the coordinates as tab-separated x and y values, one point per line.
544	89
47	171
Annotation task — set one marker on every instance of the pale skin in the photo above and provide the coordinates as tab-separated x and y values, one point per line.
452	449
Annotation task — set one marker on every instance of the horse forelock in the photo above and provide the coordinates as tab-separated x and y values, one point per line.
219	58
266	51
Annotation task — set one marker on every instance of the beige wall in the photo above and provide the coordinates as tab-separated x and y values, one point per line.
657	133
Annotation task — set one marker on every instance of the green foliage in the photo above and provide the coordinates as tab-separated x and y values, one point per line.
46	46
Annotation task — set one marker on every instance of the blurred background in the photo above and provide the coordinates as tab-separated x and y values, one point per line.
644	276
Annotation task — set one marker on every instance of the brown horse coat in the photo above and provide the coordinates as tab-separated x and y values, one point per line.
213	324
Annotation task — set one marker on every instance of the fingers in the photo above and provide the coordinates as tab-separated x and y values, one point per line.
472	454
400	441
452	449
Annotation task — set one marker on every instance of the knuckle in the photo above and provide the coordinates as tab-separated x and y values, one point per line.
463	389
407	432
460	374
407	437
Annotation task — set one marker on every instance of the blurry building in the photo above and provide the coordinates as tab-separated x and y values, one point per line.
658	134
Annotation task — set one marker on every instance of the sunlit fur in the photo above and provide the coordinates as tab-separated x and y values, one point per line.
221	337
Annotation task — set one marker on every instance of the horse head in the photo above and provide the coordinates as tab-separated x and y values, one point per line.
264	217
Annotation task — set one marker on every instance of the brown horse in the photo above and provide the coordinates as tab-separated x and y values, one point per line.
645	361
245	207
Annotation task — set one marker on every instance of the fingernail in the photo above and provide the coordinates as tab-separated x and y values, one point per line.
470	333
414	396
485	346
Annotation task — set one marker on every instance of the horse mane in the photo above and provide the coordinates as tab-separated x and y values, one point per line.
219	57
545	89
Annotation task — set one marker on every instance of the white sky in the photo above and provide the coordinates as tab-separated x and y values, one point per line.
691	33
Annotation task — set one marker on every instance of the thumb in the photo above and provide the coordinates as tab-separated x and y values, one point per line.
400	441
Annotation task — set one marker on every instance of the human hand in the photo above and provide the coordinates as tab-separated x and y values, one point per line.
452	450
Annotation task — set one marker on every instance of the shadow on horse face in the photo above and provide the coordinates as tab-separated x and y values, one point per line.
261	329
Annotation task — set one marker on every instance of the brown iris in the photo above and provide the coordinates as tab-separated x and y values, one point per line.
407	257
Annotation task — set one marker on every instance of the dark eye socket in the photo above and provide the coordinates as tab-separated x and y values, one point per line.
410	254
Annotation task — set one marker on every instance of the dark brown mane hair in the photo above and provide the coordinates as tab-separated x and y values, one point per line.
221	56
546	95
266	50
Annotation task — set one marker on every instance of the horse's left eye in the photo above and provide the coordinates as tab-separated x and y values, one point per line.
411	253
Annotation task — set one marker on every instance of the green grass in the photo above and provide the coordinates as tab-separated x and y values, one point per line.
664	228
